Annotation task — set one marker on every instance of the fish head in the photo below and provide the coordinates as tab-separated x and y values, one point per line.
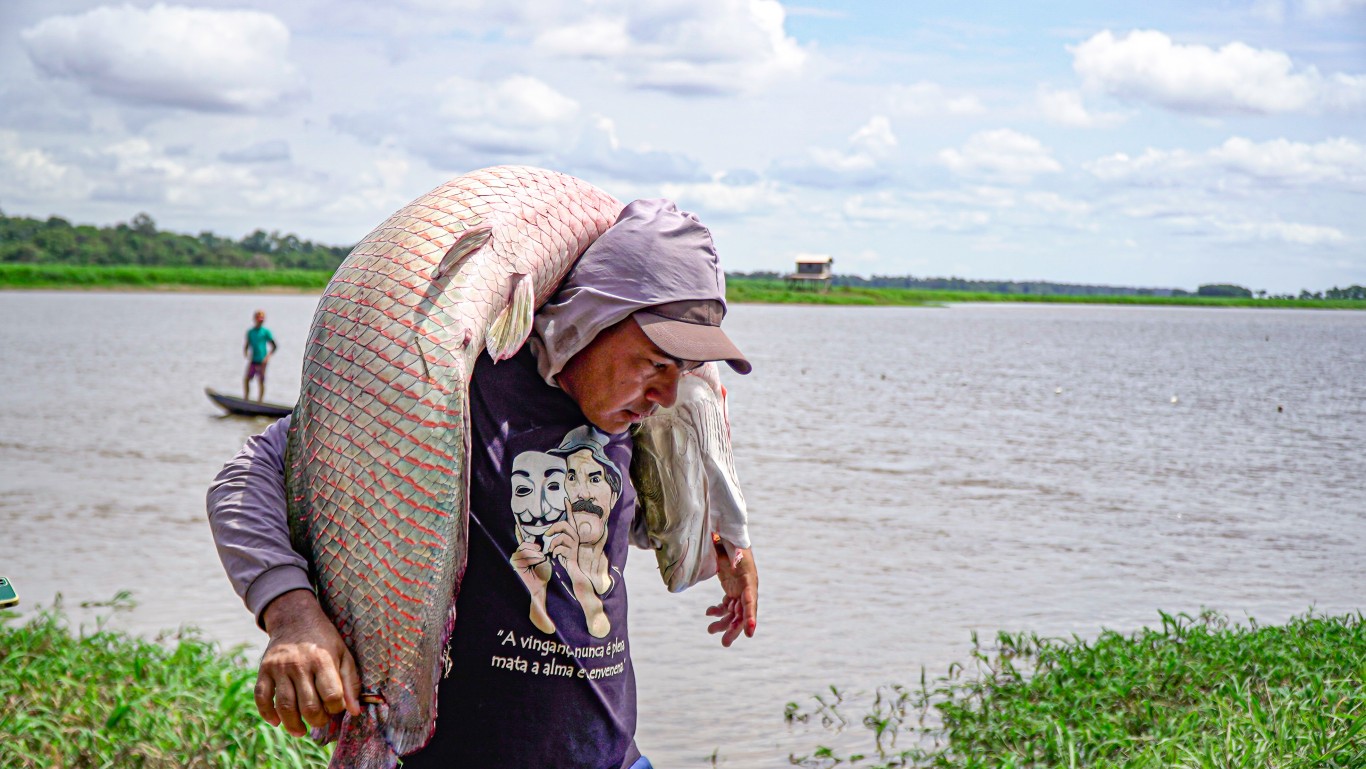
669	472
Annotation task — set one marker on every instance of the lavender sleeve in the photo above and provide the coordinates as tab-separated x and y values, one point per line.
248	518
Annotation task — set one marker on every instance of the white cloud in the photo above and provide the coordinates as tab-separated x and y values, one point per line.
1154	166
32	174
1006	198
1213	218
1275	10
460	123
275	151
517	115
137	172
875	140
925	99
473	123
1338	162
199	59
862	164
1003	154
1327	8
1269	10
1331	164
887	207
141	172
720	198
1286	232
1053	203
600	151
687	48
1147	66
1067	108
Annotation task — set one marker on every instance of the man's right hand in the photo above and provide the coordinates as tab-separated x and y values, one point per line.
307	673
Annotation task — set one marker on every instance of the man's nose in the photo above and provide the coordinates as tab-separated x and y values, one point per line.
664	390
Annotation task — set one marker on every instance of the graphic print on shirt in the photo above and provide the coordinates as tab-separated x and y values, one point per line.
562	501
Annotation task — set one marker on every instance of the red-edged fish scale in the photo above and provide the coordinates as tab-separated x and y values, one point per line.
377	465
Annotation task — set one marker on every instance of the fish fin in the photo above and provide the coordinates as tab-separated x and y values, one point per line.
365	741
329	733
466	243
511	328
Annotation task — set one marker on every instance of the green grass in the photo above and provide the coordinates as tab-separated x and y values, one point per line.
103	699
114	277
777	292
1198	692
738	290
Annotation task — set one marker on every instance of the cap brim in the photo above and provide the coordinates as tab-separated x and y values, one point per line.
692	341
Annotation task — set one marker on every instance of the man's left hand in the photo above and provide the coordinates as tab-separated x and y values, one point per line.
739	610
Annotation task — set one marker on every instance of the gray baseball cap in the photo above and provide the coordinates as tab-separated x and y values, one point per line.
657	263
690	330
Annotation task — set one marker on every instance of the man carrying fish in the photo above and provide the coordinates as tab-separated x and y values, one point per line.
540	670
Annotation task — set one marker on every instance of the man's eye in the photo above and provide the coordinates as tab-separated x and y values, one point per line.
661	367
521	491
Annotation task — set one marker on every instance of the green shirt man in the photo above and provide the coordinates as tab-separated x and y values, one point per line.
259	347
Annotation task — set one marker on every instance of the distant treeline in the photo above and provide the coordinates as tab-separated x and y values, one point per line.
56	241
1045	288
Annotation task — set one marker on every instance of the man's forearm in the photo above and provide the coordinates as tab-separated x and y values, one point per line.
248	518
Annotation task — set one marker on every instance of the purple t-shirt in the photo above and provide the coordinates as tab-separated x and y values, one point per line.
541	672
531	687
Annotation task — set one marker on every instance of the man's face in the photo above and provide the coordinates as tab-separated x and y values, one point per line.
538	495
590	495
621	377
260	318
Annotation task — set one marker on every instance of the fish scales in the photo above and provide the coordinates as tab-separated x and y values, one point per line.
376	468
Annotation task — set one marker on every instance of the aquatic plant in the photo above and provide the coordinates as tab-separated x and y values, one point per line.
1198	692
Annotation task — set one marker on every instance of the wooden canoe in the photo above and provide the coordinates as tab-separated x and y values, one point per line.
247	408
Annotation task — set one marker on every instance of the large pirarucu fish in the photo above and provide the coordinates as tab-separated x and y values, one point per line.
376	465
686	486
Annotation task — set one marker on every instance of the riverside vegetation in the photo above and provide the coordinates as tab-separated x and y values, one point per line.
54	253
1199	692
738	289
98	698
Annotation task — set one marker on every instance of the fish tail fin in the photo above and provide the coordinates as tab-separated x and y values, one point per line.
466	243
511	328
325	734
364	743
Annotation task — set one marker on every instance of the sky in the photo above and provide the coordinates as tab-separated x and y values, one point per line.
1157	144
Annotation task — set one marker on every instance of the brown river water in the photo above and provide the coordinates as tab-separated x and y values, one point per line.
913	475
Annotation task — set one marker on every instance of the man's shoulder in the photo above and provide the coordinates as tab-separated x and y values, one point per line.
515	385
519	370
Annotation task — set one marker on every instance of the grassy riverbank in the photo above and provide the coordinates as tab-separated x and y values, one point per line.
70	276
94	698
777	292
82	277
1198	692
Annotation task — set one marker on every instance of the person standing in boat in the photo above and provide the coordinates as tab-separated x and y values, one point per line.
259	347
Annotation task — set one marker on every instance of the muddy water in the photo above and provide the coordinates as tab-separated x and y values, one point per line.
913	475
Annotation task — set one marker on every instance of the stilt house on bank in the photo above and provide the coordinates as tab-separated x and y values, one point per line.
813	272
